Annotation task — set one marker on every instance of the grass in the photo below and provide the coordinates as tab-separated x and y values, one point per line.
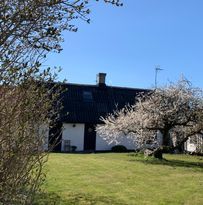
112	178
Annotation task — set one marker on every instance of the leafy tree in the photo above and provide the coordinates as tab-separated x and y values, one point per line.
29	30
175	111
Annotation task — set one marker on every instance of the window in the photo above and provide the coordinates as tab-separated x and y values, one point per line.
67	147
87	96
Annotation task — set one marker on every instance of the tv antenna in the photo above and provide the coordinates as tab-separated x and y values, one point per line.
157	69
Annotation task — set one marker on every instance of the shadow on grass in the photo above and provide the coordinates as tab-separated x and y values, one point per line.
172	163
75	198
47	199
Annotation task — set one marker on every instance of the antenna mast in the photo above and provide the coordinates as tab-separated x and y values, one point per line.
157	68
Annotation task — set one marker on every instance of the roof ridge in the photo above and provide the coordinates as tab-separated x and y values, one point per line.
106	86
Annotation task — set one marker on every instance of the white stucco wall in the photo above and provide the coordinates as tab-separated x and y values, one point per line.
102	145
196	146
75	133
190	147
44	133
159	138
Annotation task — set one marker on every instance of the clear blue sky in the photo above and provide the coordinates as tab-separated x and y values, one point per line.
128	42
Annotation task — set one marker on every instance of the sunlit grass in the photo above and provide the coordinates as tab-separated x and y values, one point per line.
114	178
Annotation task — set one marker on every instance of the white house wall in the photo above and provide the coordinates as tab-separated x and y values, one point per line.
159	138
74	133
194	146
102	145
190	147
43	132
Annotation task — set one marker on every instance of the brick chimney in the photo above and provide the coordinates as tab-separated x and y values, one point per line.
101	79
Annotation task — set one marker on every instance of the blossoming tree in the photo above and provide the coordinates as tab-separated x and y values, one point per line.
176	111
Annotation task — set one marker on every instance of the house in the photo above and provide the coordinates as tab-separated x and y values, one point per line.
85	104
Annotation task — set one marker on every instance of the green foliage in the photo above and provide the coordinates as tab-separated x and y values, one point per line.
119	148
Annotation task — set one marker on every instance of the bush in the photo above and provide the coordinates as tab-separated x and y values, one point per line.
119	148
73	148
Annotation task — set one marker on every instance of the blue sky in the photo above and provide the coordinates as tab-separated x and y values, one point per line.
128	42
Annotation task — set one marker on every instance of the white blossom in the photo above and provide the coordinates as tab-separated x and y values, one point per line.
176	111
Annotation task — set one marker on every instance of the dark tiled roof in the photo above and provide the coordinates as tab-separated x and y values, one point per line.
87	103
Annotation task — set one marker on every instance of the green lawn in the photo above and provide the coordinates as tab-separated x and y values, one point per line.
114	178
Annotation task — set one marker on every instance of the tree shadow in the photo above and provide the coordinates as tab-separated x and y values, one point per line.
47	199
75	198
172	162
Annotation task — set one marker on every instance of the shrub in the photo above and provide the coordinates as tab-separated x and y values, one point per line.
73	148
119	148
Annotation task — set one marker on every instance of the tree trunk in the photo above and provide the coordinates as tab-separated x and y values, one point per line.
158	153
166	138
